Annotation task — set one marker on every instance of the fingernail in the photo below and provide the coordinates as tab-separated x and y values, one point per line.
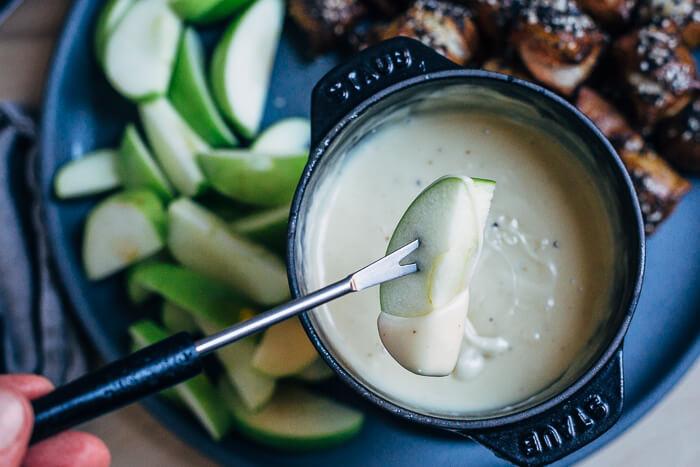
11	418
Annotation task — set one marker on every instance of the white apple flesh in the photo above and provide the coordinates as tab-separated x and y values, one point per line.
175	145
287	136
423	318
242	64
95	172
448	217
140	51
121	230
204	243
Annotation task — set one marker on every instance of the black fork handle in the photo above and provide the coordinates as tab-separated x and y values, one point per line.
152	369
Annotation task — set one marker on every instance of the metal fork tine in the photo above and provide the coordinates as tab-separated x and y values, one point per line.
386	268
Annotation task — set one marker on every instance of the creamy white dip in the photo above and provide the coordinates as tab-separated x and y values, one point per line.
542	283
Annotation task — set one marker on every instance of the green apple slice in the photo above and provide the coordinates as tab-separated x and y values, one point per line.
137	294
202	296
140	51
212	306
316	372
284	350
295	419
242	64
448	217
111	14
253	178
175	145
95	172
287	136
190	94
177	319
268	227
138	169
204	243
223	207
199	395
254	388
191	10
223	10
206	11
121	230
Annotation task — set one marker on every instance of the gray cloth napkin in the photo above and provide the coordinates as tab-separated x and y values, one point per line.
37	335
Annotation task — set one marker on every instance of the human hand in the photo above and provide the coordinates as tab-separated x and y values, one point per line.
67	449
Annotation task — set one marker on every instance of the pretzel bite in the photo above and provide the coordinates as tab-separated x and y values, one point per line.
505	67
444	26
324	22
657	71
685	14
557	42
364	34
659	188
606	117
610	13
495	17
678	139
386	8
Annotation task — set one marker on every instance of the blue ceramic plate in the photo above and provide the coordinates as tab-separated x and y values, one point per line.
82	112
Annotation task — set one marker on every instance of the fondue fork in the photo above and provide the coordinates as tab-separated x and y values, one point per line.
178	358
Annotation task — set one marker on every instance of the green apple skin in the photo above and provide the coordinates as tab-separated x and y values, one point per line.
203	297
198	393
189	94
121	230
148	203
254	388
294	419
268	227
257	179
140	51
137	294
210	306
111	14
206	11
222	83
138	169
224	207
177	319
191	10
175	145
204	243
222	10
443	218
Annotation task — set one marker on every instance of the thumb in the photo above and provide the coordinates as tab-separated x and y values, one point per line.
16	422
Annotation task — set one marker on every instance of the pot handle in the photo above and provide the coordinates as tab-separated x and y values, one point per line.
367	73
564	428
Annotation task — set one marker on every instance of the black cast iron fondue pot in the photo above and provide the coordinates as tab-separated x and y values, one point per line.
346	105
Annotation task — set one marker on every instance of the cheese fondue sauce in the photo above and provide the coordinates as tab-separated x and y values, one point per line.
542	283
